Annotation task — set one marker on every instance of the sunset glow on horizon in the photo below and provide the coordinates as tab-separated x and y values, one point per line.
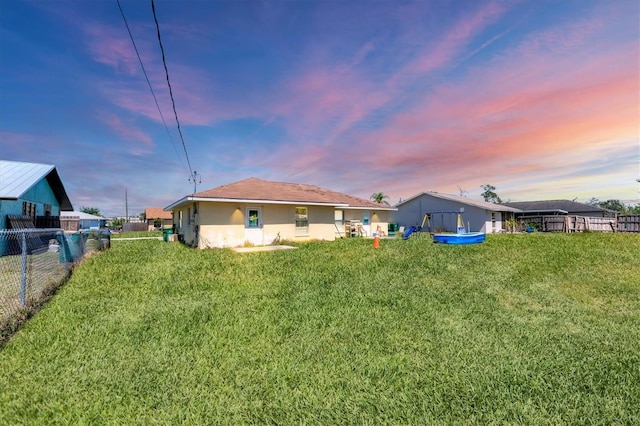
540	99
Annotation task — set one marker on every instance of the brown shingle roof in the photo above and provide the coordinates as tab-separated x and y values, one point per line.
156	213
263	190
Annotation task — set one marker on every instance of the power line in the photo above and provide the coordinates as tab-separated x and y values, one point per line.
149	83
153	8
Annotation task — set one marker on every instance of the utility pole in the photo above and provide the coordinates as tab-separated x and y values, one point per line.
196	178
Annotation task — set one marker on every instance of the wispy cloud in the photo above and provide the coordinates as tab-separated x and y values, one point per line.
137	141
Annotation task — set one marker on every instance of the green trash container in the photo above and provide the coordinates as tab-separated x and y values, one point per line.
166	233
64	251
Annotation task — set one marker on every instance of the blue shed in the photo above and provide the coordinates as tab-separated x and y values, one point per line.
85	221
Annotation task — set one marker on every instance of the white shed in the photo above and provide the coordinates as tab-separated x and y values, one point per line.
478	216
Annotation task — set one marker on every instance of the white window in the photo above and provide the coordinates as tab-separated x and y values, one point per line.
302	221
339	218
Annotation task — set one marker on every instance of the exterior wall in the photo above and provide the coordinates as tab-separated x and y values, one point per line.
321	226
9	207
164	223
40	194
475	219
185	225
220	225
224	224
377	220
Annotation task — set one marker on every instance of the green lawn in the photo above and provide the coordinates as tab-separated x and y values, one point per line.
533	329
136	234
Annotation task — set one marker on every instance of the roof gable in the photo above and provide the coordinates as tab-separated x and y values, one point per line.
17	177
259	190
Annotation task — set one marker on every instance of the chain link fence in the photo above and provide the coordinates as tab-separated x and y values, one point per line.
34	262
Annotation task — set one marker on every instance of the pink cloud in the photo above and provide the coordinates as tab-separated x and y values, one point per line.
514	118
139	142
110	46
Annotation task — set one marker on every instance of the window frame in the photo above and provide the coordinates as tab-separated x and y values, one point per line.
248	221
301	217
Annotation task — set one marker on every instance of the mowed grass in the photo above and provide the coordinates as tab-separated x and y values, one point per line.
533	329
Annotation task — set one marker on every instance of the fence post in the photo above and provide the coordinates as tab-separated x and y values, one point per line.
23	275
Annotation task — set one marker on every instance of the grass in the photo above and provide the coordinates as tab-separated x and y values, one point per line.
534	329
137	234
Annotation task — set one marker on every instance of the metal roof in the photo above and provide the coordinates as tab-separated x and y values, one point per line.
466	201
17	177
81	215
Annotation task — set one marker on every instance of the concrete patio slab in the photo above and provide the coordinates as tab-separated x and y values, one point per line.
262	248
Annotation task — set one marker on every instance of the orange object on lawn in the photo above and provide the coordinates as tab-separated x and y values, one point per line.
376	242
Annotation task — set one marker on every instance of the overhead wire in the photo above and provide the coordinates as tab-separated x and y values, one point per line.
153	8
149	84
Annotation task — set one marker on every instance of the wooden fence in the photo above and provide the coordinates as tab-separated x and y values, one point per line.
570	223
70	223
629	223
135	226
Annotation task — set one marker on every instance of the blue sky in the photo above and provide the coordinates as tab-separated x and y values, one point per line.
538	98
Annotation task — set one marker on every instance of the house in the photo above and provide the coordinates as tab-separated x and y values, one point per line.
156	217
33	193
80	221
443	210
558	207
257	212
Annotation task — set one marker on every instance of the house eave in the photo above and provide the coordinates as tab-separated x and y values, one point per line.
386	208
560	211
191	199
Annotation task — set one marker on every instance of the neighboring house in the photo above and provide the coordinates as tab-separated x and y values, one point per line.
80	221
32	190
443	209
257	212
156	218
558	207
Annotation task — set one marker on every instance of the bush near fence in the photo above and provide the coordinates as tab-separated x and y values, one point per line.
33	264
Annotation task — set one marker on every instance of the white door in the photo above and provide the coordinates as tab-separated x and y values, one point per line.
365	223
253	226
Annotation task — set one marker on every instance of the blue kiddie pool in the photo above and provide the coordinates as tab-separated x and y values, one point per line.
461	238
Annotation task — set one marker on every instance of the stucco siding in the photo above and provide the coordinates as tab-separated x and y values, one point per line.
221	236
225	224
371	220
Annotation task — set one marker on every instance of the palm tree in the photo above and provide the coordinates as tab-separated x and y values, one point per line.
379	197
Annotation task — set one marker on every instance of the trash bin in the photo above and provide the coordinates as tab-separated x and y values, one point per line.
392	228
64	252
166	233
